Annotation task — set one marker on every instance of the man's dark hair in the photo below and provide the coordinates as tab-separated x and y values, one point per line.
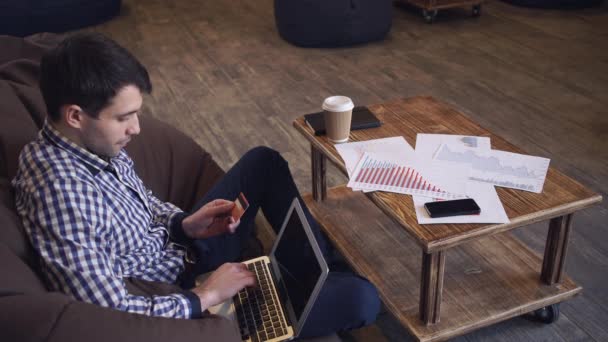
88	69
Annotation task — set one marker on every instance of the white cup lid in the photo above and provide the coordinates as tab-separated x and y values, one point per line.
338	104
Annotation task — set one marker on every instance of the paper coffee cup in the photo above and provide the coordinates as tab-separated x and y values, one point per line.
338	113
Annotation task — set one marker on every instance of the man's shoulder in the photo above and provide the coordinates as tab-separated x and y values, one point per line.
41	162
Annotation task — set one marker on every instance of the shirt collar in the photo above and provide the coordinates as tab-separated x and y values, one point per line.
93	162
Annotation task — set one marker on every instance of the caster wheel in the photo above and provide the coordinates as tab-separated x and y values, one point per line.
476	10
429	16
546	315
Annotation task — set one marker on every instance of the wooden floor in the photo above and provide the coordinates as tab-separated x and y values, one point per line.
539	78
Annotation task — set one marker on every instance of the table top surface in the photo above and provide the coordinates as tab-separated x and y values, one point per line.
561	194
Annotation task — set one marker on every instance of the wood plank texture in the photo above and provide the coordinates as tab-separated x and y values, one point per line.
485	281
408	117
538	78
555	249
319	172
431	286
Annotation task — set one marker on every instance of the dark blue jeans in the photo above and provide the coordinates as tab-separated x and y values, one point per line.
346	301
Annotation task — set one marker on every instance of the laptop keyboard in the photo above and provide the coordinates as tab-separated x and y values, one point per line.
258	309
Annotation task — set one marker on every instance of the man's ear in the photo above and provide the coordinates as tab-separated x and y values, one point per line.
72	115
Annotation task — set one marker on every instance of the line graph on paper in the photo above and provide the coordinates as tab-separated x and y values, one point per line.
500	168
375	173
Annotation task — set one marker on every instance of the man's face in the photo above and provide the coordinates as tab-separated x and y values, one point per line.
117	123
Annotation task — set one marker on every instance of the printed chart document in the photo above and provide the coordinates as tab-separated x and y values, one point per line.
501	168
417	176
428	144
351	153
492	210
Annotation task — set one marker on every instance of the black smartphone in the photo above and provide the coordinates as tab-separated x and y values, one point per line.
465	206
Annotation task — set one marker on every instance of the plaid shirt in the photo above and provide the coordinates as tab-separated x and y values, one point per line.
93	223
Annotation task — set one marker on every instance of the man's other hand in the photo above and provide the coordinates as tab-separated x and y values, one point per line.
210	220
224	283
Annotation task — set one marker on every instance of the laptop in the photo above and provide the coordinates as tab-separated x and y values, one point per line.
289	282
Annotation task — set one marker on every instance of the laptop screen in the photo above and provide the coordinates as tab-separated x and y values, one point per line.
298	264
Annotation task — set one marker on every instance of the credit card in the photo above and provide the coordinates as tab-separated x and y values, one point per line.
240	205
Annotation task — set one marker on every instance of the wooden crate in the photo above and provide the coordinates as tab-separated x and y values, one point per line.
430	8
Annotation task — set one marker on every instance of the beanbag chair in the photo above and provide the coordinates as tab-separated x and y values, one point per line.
24	17
332	23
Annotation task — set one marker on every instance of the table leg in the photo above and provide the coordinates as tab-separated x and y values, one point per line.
555	249
431	286
319	168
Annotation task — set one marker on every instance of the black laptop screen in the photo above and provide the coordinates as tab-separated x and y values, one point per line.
298	264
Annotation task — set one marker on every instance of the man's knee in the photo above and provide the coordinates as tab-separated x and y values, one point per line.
265	155
262	152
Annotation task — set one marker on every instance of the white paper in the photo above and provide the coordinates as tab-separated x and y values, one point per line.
351	153
414	176
492	210
427	144
501	168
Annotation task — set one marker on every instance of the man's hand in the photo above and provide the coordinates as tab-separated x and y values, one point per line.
223	284
210	220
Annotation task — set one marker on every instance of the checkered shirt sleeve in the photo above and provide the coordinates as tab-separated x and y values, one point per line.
70	231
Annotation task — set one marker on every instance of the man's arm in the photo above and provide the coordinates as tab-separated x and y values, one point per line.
69	225
210	220
168	215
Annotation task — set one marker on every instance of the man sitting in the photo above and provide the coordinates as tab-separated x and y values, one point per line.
94	223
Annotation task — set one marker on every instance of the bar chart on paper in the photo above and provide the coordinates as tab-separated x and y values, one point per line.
373	173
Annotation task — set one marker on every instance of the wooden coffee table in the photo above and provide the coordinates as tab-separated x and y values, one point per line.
445	280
